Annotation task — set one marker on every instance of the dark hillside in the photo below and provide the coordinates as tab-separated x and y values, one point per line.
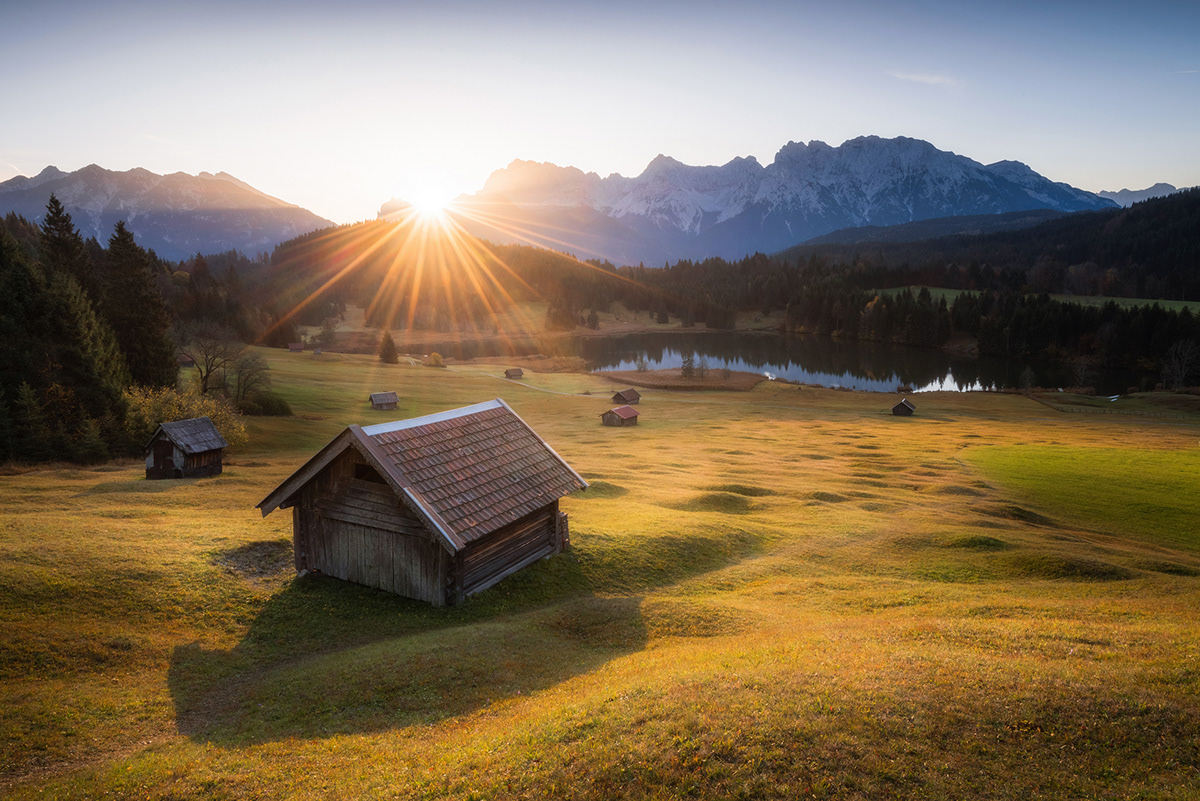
1150	250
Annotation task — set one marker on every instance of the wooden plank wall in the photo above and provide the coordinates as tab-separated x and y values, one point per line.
503	552
359	531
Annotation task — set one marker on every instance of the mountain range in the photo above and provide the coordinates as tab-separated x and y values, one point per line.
1127	197
176	215
674	211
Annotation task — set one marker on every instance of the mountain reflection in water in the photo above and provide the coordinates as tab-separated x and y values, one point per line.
829	362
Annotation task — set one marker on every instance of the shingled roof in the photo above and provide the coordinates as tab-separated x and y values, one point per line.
466	472
192	436
384	397
624	412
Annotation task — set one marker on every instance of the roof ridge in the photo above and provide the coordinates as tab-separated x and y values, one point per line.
437	417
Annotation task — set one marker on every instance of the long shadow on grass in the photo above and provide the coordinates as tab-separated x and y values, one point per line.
326	657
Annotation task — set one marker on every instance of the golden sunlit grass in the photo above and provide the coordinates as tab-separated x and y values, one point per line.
778	593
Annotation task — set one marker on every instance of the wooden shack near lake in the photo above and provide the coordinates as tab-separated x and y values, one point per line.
904	408
620	416
514	372
435	508
384	400
628	396
185	449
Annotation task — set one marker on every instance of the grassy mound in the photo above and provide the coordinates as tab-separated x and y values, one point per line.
979	542
1051	566
723	502
602	489
741	489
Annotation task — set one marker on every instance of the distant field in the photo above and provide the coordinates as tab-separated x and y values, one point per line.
1084	300
1153	495
775	593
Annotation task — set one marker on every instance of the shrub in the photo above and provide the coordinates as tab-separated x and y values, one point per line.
266	404
434	360
149	407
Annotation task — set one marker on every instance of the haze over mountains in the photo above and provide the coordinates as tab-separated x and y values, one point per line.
674	211
1127	197
176	215
671	211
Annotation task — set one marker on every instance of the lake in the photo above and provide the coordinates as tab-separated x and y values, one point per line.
806	359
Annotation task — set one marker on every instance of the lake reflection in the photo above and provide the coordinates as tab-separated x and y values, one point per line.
803	359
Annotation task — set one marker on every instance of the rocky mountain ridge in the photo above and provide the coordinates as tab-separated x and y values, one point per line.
176	215
674	211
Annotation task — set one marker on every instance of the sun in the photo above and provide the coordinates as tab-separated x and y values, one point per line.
429	200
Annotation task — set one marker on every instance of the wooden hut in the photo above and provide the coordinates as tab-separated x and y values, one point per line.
185	449
514	372
295	347
434	508
904	408
384	400
629	396
620	416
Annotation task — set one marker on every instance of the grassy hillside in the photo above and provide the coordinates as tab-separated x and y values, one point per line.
781	593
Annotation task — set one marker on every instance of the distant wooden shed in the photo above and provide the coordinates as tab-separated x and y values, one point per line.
434	508
620	416
295	347
384	400
630	396
185	449
904	408
514	372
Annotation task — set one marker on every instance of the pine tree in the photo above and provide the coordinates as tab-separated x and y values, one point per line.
61	248
135	309
387	349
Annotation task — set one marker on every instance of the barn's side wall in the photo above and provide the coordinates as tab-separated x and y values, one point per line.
180	464
198	465
486	561
359	531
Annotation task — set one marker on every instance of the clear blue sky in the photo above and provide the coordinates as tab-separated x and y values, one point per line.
339	107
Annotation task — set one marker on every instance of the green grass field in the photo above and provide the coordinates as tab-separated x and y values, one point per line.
783	593
1083	300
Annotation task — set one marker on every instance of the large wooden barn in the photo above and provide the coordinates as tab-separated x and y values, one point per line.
185	449
434	508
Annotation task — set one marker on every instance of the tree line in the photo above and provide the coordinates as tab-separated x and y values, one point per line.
89	332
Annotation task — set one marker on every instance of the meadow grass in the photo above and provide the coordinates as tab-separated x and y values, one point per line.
782	593
1082	300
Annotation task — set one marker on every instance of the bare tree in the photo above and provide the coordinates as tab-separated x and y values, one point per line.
1083	369
1181	363
213	347
250	375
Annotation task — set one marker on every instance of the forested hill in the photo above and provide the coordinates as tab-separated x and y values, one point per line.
410	274
1149	250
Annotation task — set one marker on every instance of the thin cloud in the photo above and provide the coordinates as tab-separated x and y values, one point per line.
1186	72
929	79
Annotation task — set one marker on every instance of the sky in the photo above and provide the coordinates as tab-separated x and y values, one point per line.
339	107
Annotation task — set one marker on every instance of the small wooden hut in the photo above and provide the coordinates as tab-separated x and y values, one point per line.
384	400
434	508
620	416
628	396
514	372
295	347
904	408
185	449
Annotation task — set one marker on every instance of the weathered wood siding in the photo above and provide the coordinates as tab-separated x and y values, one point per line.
165	459
508	549
358	530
